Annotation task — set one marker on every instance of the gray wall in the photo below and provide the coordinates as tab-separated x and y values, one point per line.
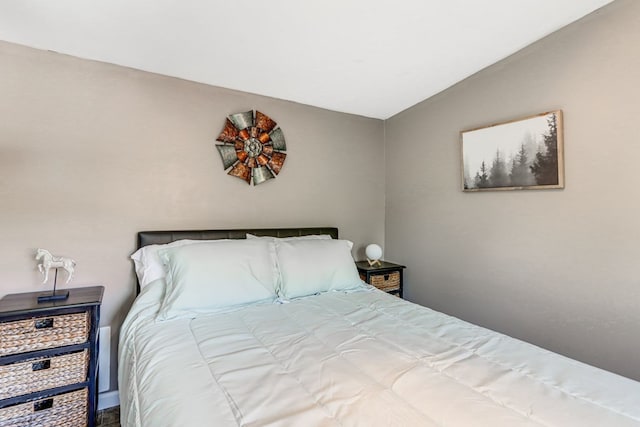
91	153
558	268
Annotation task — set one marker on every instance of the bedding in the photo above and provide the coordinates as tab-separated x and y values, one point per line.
356	358
147	262
209	276
309	267
149	267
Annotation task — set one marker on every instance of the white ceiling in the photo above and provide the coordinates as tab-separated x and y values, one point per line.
374	58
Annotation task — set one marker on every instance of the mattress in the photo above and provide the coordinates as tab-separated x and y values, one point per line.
351	359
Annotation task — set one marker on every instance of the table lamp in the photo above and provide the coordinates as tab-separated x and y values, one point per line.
374	253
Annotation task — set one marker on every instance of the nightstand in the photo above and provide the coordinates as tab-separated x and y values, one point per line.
387	276
49	359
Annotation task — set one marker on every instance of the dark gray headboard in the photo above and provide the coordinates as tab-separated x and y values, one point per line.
161	237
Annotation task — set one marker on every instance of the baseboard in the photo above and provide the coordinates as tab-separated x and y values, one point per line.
108	399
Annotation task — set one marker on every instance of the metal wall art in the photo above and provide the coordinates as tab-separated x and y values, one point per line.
253	147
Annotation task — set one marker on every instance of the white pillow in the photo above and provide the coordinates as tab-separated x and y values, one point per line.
216	275
308	267
148	265
287	239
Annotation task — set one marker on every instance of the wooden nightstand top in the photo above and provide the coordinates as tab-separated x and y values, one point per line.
15	304
384	265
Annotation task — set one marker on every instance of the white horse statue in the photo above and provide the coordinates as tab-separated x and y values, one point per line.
49	261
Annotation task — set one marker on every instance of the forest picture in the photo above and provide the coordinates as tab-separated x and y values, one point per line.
521	154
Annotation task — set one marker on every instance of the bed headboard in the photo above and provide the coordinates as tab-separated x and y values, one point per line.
161	237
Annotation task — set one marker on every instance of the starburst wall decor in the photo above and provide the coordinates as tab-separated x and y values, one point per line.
253	147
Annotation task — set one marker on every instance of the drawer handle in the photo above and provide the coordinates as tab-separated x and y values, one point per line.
41	365
42	405
44	323
386	277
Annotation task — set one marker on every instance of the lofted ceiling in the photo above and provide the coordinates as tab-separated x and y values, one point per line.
373	58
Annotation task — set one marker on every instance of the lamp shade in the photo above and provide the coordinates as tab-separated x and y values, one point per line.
373	252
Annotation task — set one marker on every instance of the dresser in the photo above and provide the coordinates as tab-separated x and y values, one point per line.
48	359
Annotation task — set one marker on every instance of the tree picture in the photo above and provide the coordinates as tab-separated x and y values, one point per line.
521	154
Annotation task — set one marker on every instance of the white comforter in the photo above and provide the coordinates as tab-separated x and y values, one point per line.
352	359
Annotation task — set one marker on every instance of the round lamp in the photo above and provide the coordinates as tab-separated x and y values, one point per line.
374	253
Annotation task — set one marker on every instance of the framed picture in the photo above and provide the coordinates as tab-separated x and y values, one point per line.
523	154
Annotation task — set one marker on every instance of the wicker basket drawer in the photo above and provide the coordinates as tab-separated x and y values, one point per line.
43	373
43	332
387	281
63	410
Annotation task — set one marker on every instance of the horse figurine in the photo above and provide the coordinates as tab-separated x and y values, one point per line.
49	261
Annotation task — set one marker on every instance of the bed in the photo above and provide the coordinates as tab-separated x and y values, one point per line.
343	356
